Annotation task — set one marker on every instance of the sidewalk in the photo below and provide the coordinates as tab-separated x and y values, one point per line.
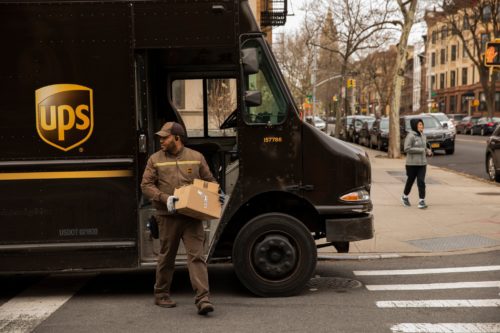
463	214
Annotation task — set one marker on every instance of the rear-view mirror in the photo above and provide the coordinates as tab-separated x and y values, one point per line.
253	98
250	61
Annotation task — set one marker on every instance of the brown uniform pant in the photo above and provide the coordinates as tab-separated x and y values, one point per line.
173	228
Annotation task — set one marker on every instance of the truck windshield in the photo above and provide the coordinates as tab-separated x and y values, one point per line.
273	108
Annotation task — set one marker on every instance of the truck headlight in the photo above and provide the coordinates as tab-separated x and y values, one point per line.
356	196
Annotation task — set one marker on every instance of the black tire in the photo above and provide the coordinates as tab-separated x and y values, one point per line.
274	255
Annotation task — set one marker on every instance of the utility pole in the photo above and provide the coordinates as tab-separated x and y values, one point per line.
313	79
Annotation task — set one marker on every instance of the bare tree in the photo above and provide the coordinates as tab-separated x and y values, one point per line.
376	71
475	22
359	26
294	54
221	101
408	9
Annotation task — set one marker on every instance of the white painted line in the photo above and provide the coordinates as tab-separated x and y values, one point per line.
447	328
441	303
27	310
429	271
435	286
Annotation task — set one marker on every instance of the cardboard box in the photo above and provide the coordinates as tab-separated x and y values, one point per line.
199	200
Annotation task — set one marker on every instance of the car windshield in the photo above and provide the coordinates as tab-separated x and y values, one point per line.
440	117
384	124
429	123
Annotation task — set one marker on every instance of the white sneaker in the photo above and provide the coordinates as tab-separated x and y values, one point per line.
421	204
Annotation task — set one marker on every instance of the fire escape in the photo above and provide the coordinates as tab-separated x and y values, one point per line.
273	13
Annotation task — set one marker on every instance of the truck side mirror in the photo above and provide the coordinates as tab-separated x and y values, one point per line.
253	98
250	61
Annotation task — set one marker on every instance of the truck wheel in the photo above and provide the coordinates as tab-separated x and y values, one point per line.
274	254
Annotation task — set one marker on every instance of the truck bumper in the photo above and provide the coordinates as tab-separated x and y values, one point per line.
349	229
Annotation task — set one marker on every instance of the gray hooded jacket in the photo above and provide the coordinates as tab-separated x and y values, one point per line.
415	145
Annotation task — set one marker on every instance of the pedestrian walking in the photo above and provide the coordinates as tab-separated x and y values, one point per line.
173	166
415	147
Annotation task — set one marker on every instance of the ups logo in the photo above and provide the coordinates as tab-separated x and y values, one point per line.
64	115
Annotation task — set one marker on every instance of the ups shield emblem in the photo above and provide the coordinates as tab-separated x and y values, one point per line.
64	115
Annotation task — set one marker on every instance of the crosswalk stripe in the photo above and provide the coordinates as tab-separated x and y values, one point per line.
447	328
434	286
429	271
440	303
27	310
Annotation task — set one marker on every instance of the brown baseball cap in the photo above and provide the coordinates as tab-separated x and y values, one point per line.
171	128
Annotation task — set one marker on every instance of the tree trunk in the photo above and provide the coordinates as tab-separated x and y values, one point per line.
338	112
394	149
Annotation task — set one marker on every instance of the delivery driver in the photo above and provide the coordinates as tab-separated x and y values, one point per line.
174	166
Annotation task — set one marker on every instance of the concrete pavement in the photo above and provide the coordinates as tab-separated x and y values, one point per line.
463	214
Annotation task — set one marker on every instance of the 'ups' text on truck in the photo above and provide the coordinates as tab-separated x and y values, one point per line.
84	85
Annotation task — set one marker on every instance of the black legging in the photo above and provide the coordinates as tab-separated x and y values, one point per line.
416	171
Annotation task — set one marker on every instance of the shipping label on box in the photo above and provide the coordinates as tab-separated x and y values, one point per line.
199	200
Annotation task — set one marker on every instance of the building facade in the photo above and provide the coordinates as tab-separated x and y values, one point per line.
452	79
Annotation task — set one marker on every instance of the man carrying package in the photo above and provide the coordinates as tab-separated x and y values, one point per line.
171	167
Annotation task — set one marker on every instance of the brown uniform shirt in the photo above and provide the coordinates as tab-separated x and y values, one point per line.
165	172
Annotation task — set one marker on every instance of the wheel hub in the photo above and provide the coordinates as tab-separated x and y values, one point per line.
274	257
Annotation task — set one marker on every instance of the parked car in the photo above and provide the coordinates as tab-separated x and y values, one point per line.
438	137
493	155
456	117
317	122
355	127
443	120
464	126
485	126
379	134
364	133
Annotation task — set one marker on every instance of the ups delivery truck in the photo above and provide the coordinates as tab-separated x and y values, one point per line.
84	85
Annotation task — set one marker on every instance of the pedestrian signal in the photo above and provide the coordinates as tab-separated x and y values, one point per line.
492	54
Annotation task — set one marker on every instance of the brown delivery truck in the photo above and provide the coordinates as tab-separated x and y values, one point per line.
84	85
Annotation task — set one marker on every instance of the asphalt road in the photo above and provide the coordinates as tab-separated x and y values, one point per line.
469	156
344	296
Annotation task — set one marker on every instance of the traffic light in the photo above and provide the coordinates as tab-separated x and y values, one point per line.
492	54
351	83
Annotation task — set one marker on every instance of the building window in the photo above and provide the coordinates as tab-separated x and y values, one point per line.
487	13
453	52
441	81
444	32
179	94
466	24
452	78
464	51
453	102
484	39
443	56
434	35
433	59
464	76
433	82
